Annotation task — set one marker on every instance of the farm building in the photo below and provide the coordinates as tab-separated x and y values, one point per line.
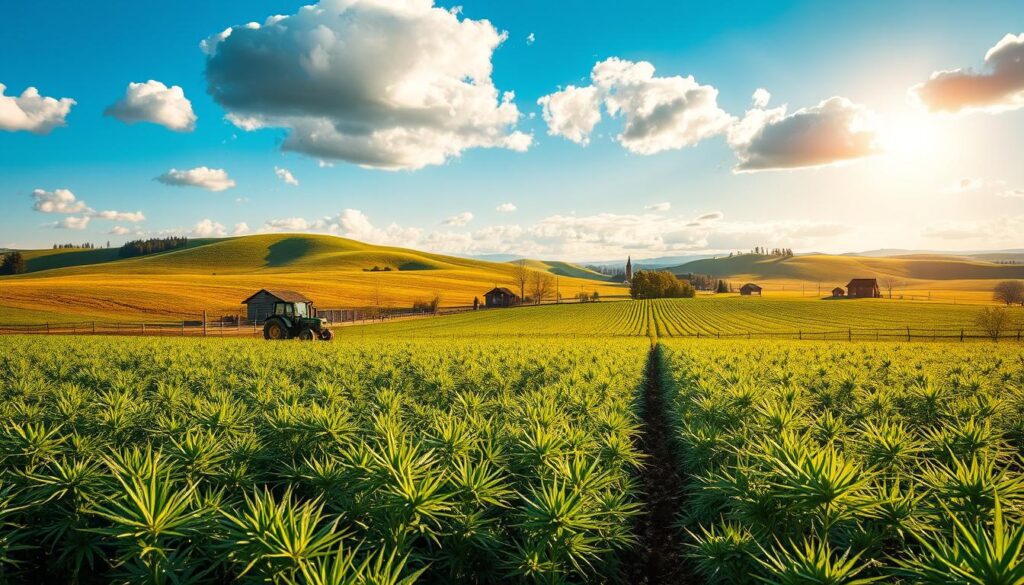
750	289
500	297
863	288
261	305
838	292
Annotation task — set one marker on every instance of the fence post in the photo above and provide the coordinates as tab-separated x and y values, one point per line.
961	336
908	332
47	327
204	323
849	334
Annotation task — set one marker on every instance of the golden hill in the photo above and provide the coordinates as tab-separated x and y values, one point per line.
216	275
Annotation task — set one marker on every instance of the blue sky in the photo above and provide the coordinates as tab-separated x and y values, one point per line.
942	180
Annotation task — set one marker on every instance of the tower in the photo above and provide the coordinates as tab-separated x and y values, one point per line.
629	269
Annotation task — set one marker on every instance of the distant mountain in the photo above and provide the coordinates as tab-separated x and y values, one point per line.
889	252
496	257
659	262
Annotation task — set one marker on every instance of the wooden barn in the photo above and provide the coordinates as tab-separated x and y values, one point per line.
261	305
838	292
750	289
500	297
863	288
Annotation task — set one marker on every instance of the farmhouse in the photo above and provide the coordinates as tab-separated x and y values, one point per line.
838	292
261	305
500	297
863	288
750	289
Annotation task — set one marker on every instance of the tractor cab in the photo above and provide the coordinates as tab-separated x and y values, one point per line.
295	319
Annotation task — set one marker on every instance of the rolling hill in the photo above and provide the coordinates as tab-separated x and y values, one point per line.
915	272
216	274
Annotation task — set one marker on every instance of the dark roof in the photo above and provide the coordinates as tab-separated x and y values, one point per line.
837	288
858	282
751	286
500	290
287	296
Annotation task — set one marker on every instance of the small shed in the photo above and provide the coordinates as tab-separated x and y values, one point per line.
750	289
863	288
838	292
261	305
500	297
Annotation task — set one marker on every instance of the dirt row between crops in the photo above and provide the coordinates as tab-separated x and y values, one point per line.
659	556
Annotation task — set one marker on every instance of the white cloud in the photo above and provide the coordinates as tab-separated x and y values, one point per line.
208	228
286	176
119	230
835	130
713	216
531	38
460	219
241	228
154	102
203	177
661	113
130	216
761	98
999	87
970	184
664	206
72	223
1001	231
506	208
1012	193
32	112
383	84
288	224
58	201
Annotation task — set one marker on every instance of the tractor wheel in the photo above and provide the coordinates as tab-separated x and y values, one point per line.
306	334
327	335
275	330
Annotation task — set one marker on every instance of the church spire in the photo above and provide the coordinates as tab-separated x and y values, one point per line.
629	268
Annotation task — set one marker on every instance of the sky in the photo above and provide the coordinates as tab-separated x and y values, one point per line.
574	130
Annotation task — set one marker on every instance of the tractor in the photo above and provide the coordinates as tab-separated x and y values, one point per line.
296	320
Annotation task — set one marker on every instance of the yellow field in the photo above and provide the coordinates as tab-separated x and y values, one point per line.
217	275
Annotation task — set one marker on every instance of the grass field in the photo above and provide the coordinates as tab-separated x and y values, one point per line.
706	315
216	275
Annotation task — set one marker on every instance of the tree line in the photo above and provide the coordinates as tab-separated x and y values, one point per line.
12	263
151	246
649	284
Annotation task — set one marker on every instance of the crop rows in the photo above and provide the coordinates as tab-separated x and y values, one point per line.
187	461
850	463
704	316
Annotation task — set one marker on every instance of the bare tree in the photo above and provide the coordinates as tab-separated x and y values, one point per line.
520	276
1010	292
890	283
542	285
993	320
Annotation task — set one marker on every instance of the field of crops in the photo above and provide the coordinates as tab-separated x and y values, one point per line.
848	463
709	316
203	461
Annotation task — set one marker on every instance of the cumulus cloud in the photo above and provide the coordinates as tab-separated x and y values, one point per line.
383	84
761	98
202	177
130	216
998	87
664	206
833	131
506	208
207	228
32	112
661	113
119	230
531	38
72	223
241	228
288	224
460	219
154	102
58	201
286	176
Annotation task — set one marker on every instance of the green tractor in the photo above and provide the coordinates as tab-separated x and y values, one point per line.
296	320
